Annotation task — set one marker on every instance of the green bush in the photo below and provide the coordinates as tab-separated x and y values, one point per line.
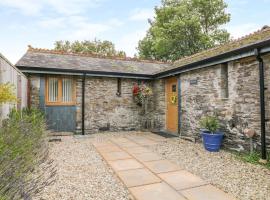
23	149
210	123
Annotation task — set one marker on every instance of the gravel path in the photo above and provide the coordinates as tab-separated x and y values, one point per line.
81	174
243	180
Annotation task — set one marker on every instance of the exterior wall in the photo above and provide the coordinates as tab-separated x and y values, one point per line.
155	118
58	118
201	94
239	111
10	74
105	111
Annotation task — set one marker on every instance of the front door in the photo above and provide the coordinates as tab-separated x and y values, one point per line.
172	105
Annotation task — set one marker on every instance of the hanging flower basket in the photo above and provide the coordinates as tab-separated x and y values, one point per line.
141	93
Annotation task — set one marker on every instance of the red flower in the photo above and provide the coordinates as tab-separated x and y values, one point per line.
136	89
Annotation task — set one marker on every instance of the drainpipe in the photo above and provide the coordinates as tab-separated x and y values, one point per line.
83	102
262	104
179	106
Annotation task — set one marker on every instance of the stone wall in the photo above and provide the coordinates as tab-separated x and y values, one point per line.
105	111
34	91
155	118
239	111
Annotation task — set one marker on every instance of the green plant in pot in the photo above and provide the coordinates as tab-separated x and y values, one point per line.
212	138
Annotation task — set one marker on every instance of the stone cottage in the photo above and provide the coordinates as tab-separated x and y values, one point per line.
89	93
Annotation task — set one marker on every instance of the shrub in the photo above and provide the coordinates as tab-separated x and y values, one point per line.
7	93
23	150
210	123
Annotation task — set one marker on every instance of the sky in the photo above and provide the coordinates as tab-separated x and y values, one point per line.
124	22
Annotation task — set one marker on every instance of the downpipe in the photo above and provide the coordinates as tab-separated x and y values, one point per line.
262	105
83	103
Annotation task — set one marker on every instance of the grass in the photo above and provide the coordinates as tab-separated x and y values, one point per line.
254	158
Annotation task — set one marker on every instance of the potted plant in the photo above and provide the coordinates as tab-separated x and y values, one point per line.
212	138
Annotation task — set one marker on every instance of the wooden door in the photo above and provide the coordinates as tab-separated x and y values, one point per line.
172	105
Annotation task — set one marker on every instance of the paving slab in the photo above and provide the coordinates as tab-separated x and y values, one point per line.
101	143
157	191
110	148
128	144
182	179
148	156
120	140
119	165
155	137
161	166
133	150
118	155
148	176
138	177
145	141
207	192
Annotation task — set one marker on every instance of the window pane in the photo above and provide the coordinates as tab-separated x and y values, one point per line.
52	89
67	90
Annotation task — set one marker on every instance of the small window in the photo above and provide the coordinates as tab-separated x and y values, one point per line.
173	88
224	84
60	91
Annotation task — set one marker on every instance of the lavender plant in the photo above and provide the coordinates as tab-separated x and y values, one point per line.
24	165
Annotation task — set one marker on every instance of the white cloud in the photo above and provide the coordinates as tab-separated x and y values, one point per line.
115	22
34	7
238	31
27	7
76	27
141	14
52	23
129	42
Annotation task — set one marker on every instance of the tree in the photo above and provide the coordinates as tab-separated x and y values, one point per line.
7	93
184	27
102	48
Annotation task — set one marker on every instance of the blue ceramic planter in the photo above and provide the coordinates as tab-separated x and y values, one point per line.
212	142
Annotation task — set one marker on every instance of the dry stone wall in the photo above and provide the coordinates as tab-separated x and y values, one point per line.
105	111
239	111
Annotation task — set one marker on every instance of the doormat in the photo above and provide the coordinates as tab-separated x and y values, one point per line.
164	134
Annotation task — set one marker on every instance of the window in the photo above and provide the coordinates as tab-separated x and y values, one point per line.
60	91
173	88
224	81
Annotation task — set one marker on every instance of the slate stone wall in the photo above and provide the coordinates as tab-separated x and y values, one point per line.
34	91
202	94
239	111
105	111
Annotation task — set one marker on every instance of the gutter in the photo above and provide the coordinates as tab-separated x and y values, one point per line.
262	105
44	70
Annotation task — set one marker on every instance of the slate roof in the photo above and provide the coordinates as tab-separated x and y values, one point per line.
256	37
50	59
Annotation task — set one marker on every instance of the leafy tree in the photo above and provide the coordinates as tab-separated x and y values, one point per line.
6	93
103	48
184	27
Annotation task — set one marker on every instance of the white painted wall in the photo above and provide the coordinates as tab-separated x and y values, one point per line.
10	74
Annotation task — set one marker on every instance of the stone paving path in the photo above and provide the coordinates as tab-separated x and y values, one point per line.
148	176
